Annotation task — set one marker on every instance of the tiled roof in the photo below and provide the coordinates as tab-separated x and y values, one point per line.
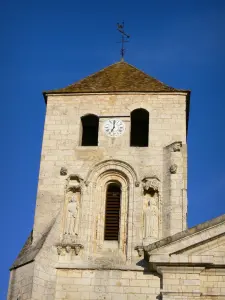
119	77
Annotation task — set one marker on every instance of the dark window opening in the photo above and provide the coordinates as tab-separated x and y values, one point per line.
139	128
112	212
90	125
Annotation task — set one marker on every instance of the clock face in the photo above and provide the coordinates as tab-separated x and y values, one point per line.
114	127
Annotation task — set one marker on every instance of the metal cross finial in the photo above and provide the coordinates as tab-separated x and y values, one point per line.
120	28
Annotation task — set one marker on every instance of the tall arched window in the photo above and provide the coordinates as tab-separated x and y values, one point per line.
139	128
112	212
90	125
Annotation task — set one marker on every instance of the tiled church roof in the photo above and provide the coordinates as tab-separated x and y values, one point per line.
119	77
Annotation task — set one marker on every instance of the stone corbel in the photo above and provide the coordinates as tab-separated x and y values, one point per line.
77	248
62	249
74	183
63	171
151	185
140	250
68	248
173	169
87	183
175	147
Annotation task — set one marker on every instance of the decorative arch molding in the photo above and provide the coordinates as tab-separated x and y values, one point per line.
99	200
110	165
98	178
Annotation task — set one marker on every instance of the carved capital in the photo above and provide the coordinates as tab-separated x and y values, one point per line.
68	248
173	169
74	183
137	183
63	171
176	147
64	248
151	184
60	250
139	250
77	248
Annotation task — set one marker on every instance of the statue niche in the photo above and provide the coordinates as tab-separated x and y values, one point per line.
72	213
151	210
72	208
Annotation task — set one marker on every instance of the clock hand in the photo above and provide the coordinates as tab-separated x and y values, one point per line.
113	125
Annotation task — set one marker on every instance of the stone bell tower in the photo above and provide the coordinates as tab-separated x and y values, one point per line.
113	176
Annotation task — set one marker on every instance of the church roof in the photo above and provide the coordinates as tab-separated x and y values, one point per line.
119	77
203	227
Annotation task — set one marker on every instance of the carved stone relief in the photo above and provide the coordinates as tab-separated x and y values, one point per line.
151	184
176	146
62	249
139	250
74	183
173	169
72	213
151	187
72	209
151	216
63	171
137	183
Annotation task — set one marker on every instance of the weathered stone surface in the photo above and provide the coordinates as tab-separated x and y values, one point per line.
67	256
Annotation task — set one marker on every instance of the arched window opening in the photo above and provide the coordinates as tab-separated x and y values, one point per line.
139	128
112	212
90	125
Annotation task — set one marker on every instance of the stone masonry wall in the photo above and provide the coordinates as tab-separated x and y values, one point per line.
108	285
187	283
213	283
62	135
61	148
21	282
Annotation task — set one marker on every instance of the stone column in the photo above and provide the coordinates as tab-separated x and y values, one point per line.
174	189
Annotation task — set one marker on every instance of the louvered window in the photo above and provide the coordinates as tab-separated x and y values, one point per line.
112	212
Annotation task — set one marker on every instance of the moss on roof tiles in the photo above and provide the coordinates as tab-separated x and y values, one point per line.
119	77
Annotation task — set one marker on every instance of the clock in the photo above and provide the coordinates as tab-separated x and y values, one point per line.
114	127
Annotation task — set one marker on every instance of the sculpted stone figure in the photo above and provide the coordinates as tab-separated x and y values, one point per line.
63	171
173	169
177	147
72	217
151	227
74	183
151	184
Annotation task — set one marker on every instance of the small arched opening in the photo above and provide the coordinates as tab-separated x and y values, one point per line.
90	124
112	212
139	128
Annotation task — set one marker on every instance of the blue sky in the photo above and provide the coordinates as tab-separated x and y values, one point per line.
50	44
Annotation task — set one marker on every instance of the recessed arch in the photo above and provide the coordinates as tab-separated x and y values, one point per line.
99	193
112	211
139	128
90	125
96	184
113	165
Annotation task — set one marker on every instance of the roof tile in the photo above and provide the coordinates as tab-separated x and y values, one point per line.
119	77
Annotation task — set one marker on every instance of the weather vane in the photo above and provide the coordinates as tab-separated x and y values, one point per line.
120	28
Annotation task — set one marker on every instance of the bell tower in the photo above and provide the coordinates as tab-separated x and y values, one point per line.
113	175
